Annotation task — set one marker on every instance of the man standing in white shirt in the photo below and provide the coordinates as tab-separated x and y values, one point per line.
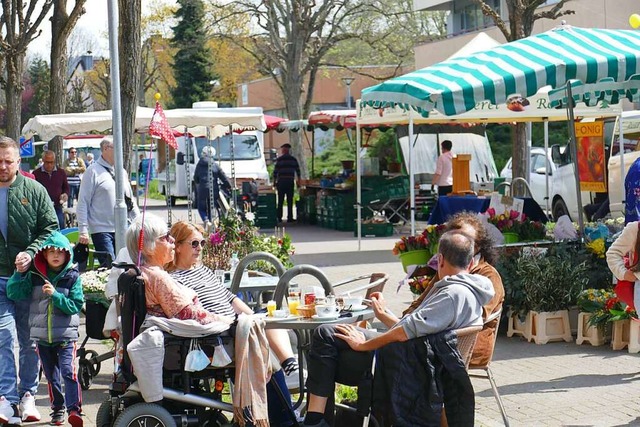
443	177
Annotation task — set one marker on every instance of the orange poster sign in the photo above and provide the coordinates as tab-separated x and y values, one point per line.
591	166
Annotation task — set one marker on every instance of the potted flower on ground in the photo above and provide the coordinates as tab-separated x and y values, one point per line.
624	332
418	249
593	319
507	222
551	284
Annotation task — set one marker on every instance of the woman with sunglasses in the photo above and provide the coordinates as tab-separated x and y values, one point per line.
187	269
165	297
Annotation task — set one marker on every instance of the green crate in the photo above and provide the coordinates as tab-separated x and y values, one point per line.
331	223
343	224
375	230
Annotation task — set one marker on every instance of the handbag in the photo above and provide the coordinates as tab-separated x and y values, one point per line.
196	359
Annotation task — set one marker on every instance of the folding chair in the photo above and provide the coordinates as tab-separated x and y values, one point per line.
487	370
466	341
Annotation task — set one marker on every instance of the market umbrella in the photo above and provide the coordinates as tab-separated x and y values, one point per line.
521	67
605	63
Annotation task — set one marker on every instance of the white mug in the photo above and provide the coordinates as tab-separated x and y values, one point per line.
327	310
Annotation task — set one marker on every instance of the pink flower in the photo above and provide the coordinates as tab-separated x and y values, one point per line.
491	212
217	238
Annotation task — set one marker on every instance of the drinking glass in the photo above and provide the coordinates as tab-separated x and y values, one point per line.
294	302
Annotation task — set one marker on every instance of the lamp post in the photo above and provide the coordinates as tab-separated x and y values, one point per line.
347	81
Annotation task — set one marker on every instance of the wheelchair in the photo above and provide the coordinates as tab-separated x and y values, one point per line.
188	398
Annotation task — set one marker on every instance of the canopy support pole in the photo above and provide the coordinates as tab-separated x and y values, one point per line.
574	155
120	207
622	173
358	187
547	170
412	190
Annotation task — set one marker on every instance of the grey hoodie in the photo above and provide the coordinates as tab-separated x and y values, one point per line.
454	302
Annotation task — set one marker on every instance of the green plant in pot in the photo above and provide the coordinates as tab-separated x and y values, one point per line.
551	283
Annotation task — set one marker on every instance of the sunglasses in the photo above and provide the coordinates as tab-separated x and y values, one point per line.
196	243
167	238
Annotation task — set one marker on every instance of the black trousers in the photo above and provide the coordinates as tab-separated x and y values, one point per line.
285	188
443	190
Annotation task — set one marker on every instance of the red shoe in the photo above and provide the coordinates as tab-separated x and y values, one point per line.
75	419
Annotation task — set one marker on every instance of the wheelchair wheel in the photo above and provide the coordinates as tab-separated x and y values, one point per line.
95	364
85	374
103	417
145	414
216	419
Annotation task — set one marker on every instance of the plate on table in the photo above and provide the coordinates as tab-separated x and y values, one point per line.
282	319
356	307
332	317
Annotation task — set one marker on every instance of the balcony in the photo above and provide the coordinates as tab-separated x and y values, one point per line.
432	5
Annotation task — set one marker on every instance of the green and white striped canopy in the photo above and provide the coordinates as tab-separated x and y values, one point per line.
606	64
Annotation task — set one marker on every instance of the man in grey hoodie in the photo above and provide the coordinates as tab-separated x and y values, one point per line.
343	351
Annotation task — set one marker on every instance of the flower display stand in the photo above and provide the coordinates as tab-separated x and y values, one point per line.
634	336
519	327
591	334
550	326
419	257
620	334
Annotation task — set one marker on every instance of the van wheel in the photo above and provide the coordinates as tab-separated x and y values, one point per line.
559	209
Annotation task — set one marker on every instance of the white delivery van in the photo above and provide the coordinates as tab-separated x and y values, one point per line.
616	175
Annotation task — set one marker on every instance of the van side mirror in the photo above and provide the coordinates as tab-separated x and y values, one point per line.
542	171
556	156
180	158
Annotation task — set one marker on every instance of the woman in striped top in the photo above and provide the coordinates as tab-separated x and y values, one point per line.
187	269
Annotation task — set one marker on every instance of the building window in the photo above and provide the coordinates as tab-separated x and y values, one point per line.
471	17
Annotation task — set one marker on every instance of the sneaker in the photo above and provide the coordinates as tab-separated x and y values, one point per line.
57	417
322	423
28	409
75	419
293	379
9	413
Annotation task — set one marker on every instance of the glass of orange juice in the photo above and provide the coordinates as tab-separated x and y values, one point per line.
271	307
294	302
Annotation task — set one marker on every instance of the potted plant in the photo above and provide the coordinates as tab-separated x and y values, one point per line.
507	222
594	318
515	299
625	332
551	284
418	249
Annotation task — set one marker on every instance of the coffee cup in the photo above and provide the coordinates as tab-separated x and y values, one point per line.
326	310
279	314
352	301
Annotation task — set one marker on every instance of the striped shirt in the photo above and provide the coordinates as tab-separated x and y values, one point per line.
286	168
213	296
74	170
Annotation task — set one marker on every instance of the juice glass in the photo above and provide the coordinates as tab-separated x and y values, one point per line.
271	307
294	302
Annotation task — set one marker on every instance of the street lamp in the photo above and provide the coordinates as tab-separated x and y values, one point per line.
347	81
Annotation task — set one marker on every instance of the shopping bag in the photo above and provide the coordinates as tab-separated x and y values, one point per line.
196	359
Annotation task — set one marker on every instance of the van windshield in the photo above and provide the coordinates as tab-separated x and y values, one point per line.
245	147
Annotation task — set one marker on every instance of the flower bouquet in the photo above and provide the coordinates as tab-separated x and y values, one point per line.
604	307
417	285
506	222
418	249
93	285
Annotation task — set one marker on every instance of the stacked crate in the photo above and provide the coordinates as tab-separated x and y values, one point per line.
266	211
336	211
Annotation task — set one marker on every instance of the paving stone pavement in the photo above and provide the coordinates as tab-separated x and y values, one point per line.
556	384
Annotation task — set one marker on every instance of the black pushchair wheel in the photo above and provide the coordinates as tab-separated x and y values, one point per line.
85	376
104	417
91	356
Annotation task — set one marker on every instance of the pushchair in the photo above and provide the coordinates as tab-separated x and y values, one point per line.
90	360
187	398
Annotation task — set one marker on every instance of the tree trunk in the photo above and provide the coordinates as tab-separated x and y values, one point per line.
58	85
519	159
294	112
13	91
130	50
55	145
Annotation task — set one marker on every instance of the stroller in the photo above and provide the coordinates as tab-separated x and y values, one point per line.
188	398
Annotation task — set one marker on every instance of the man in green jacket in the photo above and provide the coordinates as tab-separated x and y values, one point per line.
27	218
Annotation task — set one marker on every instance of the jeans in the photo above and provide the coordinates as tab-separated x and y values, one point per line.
331	360
285	188
58	360
14	321
60	215
74	189
105	246
279	411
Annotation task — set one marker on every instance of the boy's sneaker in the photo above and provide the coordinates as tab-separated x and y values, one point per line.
57	417
9	413
28	408
75	419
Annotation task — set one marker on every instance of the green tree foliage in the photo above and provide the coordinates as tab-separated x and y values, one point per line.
192	64
38	87
383	145
332	154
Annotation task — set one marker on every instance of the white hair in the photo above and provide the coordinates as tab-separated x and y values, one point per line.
106	141
153	228
208	151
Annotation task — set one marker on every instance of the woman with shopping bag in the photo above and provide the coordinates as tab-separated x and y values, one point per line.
622	258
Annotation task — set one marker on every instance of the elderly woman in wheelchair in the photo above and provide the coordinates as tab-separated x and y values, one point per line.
152	384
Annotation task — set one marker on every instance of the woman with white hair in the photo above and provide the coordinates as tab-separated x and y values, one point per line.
164	296
201	178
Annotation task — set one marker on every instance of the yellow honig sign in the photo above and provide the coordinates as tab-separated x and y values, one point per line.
591	158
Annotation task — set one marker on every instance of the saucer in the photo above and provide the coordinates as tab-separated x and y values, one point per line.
332	317
357	307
